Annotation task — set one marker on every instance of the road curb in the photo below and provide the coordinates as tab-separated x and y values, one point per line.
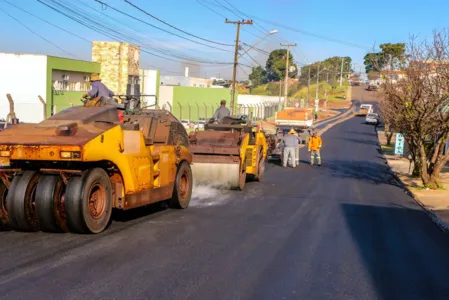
433	216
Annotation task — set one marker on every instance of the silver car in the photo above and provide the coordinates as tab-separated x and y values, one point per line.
372	119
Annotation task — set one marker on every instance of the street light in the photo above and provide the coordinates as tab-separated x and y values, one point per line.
267	35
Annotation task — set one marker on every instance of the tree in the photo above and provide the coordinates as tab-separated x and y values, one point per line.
372	62
332	66
275	66
393	54
258	76
417	105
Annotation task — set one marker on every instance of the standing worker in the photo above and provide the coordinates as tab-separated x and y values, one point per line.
99	89
221	112
290	146
315	144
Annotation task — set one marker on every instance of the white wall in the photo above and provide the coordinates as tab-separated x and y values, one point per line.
165	96
148	85
24	76
263	106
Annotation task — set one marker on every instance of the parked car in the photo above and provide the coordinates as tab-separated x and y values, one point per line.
372	119
186	124
200	124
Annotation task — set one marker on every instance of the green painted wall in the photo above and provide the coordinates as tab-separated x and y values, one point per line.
60	98
185	95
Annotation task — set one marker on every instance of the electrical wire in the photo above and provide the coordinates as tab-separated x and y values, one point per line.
37	34
71	33
350	44
159	28
243	70
172	26
79	16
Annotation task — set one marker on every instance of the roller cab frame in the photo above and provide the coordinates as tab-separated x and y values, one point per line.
229	154
66	173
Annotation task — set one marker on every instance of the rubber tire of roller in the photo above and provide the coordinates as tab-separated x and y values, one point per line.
19	202
176	201
48	197
79	219
260	169
3	210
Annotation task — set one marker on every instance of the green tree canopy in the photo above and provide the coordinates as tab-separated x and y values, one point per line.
258	76
392	55
276	63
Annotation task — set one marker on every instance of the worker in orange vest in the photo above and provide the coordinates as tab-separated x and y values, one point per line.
315	144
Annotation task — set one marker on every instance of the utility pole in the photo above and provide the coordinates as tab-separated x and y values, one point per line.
308	86
341	72
236	58
286	72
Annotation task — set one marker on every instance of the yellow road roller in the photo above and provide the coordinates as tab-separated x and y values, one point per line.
228	154
68	172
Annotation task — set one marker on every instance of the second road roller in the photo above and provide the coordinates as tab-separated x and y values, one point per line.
68	172
227	154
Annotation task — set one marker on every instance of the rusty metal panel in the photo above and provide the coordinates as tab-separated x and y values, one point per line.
38	134
219	150
216	159
148	196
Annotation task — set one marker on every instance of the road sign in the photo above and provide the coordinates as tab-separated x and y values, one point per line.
399	144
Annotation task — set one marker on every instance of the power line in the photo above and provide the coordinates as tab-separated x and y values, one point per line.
172	26
301	31
223	16
244	71
258	27
37	34
154	26
143	34
79	16
253	59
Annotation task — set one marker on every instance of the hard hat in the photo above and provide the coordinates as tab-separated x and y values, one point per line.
95	77
292	131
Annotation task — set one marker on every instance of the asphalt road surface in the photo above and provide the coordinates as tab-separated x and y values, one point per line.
341	231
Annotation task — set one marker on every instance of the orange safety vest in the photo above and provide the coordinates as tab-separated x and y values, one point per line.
315	143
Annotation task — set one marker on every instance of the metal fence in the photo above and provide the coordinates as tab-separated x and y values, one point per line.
200	110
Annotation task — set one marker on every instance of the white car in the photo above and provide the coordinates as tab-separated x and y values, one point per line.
186	124
372	118
200	124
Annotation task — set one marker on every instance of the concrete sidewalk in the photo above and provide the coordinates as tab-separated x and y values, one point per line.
435	202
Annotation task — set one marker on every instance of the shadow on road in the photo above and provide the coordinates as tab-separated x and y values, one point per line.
137	213
373	172
389	239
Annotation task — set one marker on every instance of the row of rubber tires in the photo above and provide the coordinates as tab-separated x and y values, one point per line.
43	202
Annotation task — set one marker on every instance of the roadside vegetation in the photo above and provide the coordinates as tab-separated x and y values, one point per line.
269	81
417	103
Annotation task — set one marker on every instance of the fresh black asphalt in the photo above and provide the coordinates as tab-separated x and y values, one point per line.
345	230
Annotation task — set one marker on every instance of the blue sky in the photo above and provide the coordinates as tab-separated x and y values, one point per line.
365	23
